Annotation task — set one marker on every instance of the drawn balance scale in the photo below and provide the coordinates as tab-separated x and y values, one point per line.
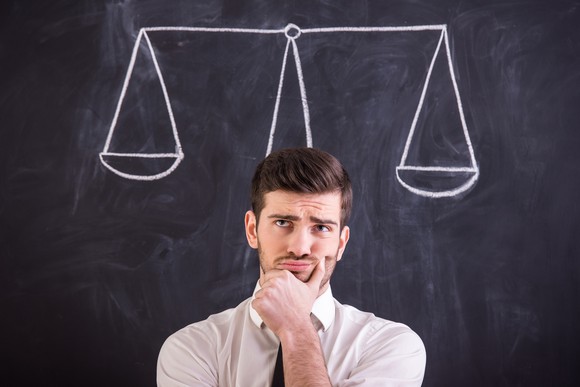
462	178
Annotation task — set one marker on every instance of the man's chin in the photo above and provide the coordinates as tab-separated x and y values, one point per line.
305	277
302	276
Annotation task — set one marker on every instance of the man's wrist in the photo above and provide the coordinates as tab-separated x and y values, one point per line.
299	330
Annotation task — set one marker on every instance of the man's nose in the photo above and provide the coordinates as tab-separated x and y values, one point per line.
300	243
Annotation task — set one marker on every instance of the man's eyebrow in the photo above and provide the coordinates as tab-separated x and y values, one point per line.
284	217
323	221
294	218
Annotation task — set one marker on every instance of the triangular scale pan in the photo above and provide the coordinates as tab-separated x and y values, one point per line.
437	176
142	164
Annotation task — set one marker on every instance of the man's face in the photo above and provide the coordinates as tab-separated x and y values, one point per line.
296	231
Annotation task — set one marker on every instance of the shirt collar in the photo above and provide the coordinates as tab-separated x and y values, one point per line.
322	310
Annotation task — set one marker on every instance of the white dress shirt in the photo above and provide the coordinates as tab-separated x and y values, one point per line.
235	348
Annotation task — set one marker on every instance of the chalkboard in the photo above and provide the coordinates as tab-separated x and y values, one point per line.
457	120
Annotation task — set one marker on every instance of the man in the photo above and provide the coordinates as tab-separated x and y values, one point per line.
301	203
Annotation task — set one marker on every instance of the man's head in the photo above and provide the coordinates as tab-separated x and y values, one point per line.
302	200
302	170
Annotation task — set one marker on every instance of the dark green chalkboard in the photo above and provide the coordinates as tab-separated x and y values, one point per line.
97	269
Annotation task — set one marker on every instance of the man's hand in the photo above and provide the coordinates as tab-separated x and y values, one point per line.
285	302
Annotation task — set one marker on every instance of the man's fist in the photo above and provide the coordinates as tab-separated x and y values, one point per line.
285	302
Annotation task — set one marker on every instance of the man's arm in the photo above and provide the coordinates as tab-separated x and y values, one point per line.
393	355
303	359
187	358
285	303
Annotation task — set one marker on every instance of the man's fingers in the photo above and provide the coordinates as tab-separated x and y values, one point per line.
273	273
317	274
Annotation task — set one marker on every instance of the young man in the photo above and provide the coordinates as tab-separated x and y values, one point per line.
301	202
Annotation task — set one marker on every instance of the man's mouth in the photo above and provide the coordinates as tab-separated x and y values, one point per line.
295	266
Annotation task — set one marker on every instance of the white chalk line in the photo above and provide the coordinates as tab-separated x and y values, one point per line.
439	194
303	98
428	27
421	100
291	40
165	95
277	103
123	90
474	168
210	29
458	99
178	159
436	169
179	155
144	155
433	27
305	109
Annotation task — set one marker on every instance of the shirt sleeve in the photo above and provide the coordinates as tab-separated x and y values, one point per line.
393	356
187	358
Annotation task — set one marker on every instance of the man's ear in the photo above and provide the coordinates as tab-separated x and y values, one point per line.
251	229
344	235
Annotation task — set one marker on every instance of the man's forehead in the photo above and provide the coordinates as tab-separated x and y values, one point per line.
328	203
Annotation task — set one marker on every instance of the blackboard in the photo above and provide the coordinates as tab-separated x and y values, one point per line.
98	269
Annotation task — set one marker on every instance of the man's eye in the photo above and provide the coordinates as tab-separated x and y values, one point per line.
322	228
282	223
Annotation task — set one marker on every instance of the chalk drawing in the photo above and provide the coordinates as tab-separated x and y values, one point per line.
473	170
292	34
178	155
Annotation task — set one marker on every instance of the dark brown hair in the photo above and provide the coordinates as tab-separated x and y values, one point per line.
303	170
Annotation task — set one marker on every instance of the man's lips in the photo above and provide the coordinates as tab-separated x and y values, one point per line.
295	265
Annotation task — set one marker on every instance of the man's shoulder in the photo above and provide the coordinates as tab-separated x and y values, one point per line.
228	315
355	316
386	352
192	352
374	327
212	327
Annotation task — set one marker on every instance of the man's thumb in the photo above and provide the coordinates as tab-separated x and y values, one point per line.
317	274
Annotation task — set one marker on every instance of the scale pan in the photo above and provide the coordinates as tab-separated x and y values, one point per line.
141	166
437	182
